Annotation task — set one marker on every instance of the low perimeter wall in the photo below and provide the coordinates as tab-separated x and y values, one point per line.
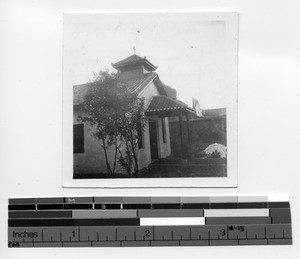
203	132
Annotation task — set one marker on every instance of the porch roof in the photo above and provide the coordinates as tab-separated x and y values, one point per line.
165	106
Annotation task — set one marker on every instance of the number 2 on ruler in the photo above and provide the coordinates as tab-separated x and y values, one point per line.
147	233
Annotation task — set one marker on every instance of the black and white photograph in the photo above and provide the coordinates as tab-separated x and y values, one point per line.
150	99
169	125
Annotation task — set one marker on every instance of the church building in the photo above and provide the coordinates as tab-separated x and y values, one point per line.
160	104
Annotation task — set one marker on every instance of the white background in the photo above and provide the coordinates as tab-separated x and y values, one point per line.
31	114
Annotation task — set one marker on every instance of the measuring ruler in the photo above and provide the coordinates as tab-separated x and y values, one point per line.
149	221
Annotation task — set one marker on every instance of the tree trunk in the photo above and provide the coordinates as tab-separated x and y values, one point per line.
136	166
128	153
106	159
133	151
115	157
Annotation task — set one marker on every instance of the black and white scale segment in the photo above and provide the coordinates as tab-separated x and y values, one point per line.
149	221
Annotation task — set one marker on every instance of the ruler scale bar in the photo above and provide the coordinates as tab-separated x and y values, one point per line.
237	220
236	212
73	222
171	221
149	221
79	214
39	214
166	199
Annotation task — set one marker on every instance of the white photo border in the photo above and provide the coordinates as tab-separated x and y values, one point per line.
232	150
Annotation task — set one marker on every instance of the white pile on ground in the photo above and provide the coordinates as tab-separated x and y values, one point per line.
216	147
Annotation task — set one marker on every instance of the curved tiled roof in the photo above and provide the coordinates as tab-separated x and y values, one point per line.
134	86
130	59
138	85
162	103
133	59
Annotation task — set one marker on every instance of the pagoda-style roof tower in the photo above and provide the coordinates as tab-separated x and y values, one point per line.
133	68
133	62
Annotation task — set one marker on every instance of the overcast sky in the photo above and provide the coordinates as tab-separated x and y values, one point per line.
196	53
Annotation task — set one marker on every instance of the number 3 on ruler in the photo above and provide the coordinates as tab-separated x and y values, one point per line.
223	232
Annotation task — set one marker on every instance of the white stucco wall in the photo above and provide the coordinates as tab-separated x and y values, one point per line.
92	161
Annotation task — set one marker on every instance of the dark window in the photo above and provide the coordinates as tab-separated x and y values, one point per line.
163	126
78	138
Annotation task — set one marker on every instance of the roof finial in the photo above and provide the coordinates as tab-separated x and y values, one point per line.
133	49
